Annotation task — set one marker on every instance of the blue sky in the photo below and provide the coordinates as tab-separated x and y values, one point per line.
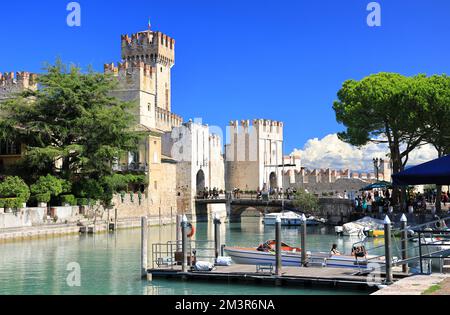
243	59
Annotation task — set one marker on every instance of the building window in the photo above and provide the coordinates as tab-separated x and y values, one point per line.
155	158
149	107
161	69
155	185
10	148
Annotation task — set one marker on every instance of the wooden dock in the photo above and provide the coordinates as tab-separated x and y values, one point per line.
291	276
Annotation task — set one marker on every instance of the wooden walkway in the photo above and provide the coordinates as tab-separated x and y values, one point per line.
291	276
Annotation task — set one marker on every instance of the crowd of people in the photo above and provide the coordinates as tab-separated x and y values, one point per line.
272	193
209	193
367	201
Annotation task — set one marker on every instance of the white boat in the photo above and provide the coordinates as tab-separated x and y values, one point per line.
289	218
357	228
291	256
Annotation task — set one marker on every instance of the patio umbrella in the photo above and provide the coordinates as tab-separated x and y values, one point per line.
381	184
433	172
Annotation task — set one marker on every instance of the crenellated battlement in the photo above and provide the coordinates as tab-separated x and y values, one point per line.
215	141
130	67
150	47
11	83
166	120
262	126
133	75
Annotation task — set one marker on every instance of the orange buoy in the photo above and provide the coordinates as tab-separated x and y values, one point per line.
190	230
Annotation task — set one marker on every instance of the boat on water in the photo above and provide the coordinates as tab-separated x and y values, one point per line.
366	226
289	218
291	256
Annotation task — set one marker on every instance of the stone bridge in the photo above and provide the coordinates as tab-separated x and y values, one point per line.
334	209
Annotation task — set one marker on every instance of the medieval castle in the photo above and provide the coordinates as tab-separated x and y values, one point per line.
182	159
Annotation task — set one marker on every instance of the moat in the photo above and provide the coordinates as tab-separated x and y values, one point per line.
110	262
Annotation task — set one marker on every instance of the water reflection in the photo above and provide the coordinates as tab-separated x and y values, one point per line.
110	263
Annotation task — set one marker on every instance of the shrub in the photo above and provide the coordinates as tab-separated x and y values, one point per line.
15	187
44	197
68	199
10	203
50	185
82	201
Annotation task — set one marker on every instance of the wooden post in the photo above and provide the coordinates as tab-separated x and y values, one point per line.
178	232
115	219
387	249
303	241
216	236
107	221
404	229
144	246
184	244
278	262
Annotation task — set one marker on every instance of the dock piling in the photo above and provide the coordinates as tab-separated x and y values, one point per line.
115	219
404	223
217	235
278	264
303	240
184	244
387	247
144	246
178	233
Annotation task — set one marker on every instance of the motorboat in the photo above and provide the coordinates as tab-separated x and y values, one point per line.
366	226
289	218
291	256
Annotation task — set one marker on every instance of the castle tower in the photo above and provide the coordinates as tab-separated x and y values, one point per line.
144	77
254	156
157	50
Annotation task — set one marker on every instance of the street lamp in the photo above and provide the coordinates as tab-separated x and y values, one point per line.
377	163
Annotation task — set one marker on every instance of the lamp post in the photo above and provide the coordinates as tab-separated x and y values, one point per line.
376	163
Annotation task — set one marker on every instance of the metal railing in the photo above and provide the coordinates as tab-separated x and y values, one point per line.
169	255
426	236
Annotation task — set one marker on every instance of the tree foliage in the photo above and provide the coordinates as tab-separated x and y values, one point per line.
306	202
14	192
71	119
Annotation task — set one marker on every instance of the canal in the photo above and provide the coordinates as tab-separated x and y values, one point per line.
109	263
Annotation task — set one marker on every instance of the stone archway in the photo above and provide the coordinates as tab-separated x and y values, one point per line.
273	181
200	182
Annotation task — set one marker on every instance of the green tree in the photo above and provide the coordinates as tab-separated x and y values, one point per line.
72	118
434	93
13	192
48	186
306	202
382	108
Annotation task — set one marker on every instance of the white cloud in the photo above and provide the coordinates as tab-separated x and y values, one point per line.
330	152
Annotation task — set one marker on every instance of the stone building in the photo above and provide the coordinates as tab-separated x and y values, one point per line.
200	164
254	155
10	84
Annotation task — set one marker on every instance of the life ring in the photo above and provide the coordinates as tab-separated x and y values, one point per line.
190	230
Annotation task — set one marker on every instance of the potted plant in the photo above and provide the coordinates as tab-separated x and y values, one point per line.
14	192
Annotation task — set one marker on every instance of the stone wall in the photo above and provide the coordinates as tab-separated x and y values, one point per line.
335	210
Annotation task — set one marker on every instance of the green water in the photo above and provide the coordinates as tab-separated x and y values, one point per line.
110	262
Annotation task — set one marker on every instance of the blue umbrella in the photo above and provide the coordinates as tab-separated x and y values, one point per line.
433	172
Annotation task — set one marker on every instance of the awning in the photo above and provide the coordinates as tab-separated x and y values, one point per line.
434	172
382	184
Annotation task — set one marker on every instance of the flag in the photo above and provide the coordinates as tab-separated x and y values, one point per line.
149	24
